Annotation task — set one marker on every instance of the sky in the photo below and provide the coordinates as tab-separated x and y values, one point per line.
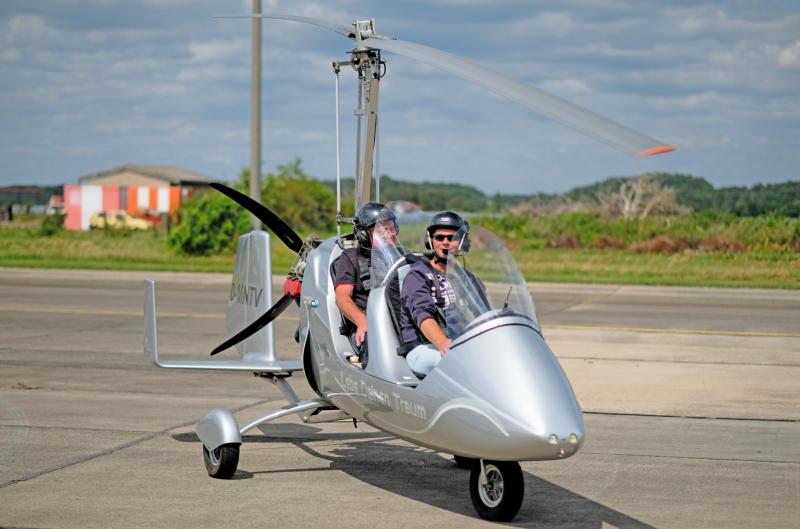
87	85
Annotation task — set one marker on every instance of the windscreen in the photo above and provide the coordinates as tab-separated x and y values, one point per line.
485	279
399	230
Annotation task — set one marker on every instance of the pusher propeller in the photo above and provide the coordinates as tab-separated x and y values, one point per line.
257	325
271	220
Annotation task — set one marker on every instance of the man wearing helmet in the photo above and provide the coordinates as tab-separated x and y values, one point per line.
352	282
425	298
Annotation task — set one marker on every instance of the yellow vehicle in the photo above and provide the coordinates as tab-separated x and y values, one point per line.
117	218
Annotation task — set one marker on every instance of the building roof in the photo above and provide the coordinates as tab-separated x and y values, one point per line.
173	175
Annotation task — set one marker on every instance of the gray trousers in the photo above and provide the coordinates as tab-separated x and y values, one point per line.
423	358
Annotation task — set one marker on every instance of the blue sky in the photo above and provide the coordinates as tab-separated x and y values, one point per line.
86	85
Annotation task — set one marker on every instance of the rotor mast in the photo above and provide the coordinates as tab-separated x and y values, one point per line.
368	65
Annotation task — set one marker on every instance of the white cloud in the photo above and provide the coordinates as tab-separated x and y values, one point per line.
565	86
407	141
70	116
26	27
790	56
217	49
312	136
543	24
10	55
694	101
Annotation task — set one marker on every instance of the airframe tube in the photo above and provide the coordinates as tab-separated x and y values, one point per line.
288	410
369	150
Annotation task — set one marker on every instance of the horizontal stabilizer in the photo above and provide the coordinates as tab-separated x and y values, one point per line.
252	363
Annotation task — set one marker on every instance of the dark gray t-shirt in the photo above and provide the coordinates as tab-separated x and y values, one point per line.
348	273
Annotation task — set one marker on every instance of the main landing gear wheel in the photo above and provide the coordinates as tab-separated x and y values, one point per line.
222	462
464	462
500	498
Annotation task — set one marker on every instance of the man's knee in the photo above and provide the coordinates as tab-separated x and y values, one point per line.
423	358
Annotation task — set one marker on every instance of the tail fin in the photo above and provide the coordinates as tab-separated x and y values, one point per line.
251	294
253	363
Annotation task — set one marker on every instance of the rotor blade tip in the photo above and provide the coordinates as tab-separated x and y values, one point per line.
657	150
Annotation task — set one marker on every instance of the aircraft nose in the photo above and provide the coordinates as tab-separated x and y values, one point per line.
513	371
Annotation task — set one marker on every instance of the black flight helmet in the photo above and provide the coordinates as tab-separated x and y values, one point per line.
450	221
366	217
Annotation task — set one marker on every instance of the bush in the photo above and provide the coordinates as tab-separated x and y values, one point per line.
303	202
603	242
211	225
52	224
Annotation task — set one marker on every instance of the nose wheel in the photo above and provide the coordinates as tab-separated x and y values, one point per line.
496	489
221	463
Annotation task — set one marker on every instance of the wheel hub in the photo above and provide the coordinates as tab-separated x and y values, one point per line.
213	456
492	492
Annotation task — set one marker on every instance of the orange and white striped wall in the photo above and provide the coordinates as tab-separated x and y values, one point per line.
81	202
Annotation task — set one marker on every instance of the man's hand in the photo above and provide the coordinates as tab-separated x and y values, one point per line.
444	346
361	333
432	332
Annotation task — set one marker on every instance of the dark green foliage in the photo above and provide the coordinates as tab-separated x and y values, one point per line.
303	202
211	224
783	199
769	232
429	196
691	191
52	224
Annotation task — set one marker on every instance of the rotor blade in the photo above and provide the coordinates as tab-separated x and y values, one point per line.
257	325
593	125
271	220
341	29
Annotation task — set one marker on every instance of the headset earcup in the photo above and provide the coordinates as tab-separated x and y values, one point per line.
465	244
428	245
363	238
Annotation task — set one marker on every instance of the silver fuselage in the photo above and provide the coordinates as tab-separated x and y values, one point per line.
499	393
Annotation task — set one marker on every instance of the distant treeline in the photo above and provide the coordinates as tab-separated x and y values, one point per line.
430	196
691	191
698	194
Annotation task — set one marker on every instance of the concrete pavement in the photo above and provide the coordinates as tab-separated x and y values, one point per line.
100	438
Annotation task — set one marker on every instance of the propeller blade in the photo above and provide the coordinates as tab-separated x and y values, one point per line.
577	118
257	325
271	220
341	29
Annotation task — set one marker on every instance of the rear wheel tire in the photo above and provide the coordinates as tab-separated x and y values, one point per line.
464	462
221	463
500	499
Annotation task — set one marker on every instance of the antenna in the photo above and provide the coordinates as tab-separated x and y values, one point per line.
505	305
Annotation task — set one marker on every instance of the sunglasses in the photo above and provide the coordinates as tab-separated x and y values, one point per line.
440	237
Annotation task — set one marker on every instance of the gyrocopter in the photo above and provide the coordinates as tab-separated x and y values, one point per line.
498	396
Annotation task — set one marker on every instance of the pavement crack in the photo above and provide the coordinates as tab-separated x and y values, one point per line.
117	448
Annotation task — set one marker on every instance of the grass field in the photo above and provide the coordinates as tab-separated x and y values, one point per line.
146	251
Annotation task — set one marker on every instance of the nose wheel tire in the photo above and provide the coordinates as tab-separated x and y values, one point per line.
464	462
221	463
500	498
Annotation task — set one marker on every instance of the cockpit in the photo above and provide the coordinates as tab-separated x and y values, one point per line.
486	279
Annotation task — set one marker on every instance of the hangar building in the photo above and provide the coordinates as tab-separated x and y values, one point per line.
139	189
